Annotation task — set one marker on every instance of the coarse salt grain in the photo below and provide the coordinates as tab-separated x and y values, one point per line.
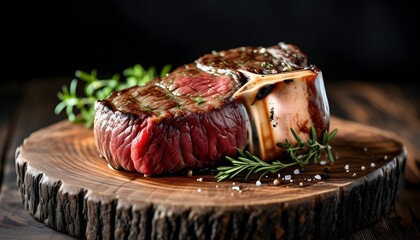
372	165
363	168
323	162
296	171
111	167
258	183
318	177
199	190
301	184
287	177
347	168
199	179
237	188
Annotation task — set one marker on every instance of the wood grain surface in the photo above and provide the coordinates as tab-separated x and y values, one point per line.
66	185
391	107
28	106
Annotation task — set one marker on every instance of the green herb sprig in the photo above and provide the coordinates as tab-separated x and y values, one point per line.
300	154
80	109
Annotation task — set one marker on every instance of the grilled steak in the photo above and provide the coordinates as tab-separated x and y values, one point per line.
187	119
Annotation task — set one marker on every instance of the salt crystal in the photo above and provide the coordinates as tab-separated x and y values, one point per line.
318	176
301	184
199	179
199	190
258	183
110	167
237	188
347	168
287	177
372	165
323	162
296	171
363	168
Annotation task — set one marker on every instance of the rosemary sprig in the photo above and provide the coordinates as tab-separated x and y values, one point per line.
304	151
300	154
250	162
80	109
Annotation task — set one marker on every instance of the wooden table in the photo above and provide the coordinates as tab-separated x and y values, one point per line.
28	106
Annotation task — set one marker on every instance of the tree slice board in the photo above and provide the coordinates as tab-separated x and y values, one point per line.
65	184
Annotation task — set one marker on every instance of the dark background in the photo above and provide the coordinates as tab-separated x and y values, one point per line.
356	40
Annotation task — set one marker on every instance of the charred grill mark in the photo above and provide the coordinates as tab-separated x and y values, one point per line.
187	120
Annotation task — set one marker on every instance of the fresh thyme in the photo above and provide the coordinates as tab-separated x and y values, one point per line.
300	154
80	109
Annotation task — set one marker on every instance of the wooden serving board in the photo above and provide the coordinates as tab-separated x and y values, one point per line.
66	185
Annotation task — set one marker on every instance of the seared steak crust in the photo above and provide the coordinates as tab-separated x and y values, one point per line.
186	119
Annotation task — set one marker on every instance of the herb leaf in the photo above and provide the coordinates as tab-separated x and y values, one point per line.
300	154
199	100
80	109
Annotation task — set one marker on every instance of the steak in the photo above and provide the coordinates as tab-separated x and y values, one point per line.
189	119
